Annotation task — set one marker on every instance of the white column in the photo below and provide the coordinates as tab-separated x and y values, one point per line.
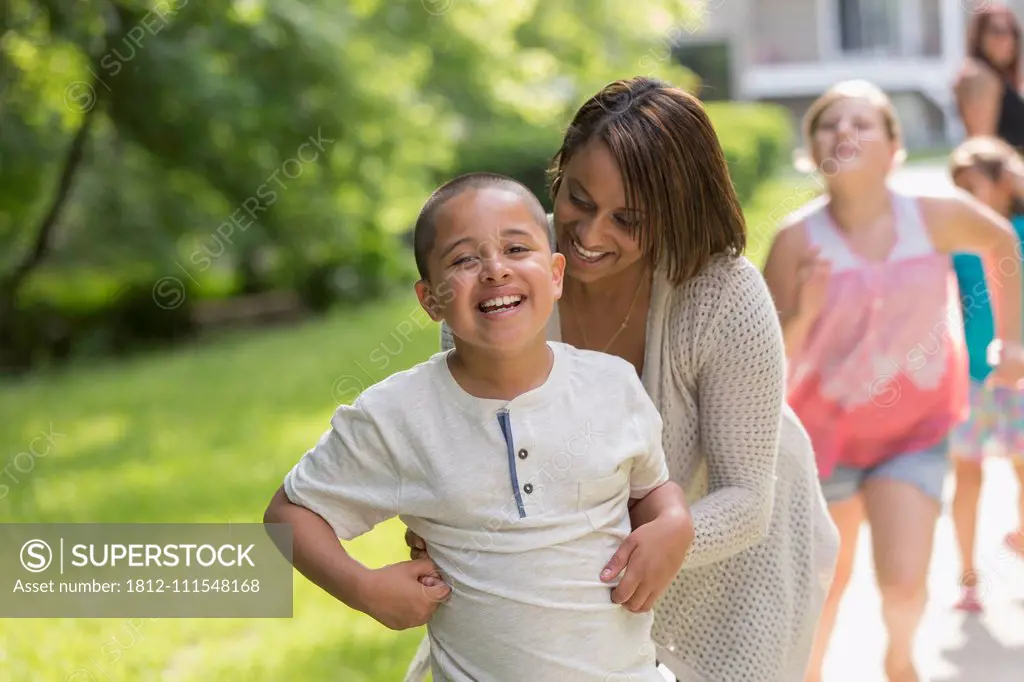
954	32
910	20
954	48
828	29
742	37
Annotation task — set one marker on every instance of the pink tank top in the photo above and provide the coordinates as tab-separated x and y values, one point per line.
883	370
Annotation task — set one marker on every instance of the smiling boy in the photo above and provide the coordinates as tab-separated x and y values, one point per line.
516	459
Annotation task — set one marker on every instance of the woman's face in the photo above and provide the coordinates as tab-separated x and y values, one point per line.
998	42
852	138
595	232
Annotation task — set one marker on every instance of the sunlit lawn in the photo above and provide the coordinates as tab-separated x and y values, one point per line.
204	434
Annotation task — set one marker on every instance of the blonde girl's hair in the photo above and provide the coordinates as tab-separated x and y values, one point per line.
849	89
991	156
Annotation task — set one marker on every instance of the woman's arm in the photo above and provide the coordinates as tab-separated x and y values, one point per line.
977	96
740	374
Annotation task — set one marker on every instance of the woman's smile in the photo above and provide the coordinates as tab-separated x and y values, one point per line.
587	256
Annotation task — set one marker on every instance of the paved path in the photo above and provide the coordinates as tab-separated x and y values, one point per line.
952	647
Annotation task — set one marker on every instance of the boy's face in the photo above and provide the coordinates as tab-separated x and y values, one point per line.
493	277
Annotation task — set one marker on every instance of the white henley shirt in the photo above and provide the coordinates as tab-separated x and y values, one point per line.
521	504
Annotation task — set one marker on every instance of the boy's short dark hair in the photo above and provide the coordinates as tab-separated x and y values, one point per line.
425	232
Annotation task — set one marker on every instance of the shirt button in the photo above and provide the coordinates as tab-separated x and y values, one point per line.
522	454
528	488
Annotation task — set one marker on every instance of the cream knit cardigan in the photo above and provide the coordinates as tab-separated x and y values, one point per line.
745	605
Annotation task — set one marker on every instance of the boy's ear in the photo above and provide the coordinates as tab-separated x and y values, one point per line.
557	273
430	302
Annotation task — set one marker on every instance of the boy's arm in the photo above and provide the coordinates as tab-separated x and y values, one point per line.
318	555
342	488
662	528
400	596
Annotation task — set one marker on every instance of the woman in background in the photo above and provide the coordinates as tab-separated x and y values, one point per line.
987	89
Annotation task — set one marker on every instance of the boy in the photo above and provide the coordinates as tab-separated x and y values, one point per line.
513	458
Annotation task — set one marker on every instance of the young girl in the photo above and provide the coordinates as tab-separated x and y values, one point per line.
864	285
991	170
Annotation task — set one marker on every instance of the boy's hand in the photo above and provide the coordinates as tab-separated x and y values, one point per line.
652	556
405	595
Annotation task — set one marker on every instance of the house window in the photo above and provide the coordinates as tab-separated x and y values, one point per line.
869	26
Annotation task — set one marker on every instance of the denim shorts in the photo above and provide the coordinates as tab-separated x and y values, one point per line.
924	469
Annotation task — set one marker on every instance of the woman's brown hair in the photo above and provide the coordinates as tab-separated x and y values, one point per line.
673	169
976	33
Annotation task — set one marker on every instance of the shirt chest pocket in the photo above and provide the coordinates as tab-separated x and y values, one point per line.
604	500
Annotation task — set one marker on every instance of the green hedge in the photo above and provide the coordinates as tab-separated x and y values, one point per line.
65	315
756	138
516	150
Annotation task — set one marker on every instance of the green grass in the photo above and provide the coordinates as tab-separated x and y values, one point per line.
199	435
205	434
930	155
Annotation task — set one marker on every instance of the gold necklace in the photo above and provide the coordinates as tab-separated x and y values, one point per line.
625	322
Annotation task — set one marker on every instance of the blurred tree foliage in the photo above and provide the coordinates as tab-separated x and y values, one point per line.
246	145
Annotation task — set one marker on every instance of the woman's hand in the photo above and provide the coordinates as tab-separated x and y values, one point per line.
417	547
651	556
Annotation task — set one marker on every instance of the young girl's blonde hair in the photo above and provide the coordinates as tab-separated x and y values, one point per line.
991	156
849	89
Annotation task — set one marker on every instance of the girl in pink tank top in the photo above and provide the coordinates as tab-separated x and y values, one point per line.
869	304
880	371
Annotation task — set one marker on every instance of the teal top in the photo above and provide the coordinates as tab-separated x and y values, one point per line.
979	327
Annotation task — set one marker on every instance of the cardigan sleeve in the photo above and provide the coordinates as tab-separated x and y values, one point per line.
739	364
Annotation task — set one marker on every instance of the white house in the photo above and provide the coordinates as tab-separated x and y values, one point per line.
790	51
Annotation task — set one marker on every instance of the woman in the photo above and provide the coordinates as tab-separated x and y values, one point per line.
653	234
864	283
987	89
